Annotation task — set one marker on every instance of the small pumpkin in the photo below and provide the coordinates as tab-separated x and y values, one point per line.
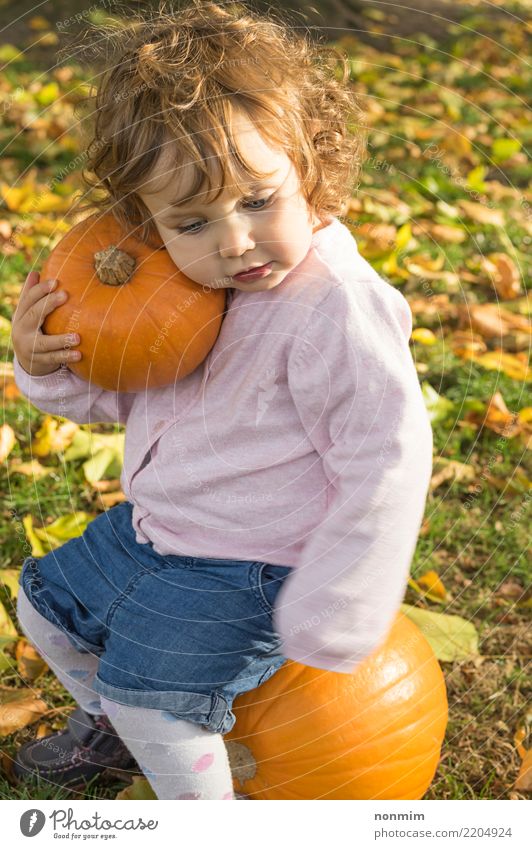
306	733
142	323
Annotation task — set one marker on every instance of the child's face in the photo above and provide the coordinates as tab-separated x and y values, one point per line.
271	225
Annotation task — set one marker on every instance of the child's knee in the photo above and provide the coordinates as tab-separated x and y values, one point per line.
157	726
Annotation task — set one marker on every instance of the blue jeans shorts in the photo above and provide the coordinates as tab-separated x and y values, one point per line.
176	633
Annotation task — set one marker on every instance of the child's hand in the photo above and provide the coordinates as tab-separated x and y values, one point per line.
38	353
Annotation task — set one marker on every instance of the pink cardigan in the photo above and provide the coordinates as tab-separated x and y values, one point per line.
301	440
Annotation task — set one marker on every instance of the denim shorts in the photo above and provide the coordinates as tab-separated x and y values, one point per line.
176	633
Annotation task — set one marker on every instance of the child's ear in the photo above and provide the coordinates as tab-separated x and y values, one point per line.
315	127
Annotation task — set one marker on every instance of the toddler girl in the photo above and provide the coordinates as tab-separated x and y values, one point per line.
273	496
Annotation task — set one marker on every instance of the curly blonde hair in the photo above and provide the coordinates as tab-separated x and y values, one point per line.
180	76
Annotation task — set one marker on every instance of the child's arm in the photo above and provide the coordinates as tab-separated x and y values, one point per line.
356	389
63	393
37	361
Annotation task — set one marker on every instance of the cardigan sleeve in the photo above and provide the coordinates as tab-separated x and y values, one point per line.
63	393
355	386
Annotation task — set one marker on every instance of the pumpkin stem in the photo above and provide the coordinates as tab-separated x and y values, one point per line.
114	266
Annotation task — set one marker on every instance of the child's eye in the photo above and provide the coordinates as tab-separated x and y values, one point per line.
188	227
265	201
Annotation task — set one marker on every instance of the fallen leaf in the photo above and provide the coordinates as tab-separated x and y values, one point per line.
437	406
451	637
18	708
30	664
32	469
53	436
66	527
424	336
524	779
37	548
140	788
499	360
9	578
466	343
106	486
447	233
109	499
432	583
504	275
482	214
450	470
496	417
7	441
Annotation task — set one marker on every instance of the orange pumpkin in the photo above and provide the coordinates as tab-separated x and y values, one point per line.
142	323
306	733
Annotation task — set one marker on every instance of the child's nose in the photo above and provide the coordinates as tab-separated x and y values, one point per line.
235	238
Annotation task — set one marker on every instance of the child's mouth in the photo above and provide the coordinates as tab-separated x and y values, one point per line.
255	273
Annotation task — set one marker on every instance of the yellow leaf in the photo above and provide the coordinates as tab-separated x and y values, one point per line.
37	549
63	529
500	361
38	23
424	336
139	788
524	779
45	202
32	469
7	629
9	578
525	415
404	236
7	441
53	437
19	708
14	196
432	583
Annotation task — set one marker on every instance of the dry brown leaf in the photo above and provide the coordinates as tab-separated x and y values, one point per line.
447	233
481	213
464	343
7	441
450	470
504	275
30	664
376	238
492	320
109	499
18	708
106	486
497	417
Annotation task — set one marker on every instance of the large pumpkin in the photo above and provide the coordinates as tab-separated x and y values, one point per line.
306	733
142	323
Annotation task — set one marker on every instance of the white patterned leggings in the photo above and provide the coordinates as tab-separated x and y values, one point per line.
180	759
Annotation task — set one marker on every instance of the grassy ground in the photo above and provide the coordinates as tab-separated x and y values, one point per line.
476	532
